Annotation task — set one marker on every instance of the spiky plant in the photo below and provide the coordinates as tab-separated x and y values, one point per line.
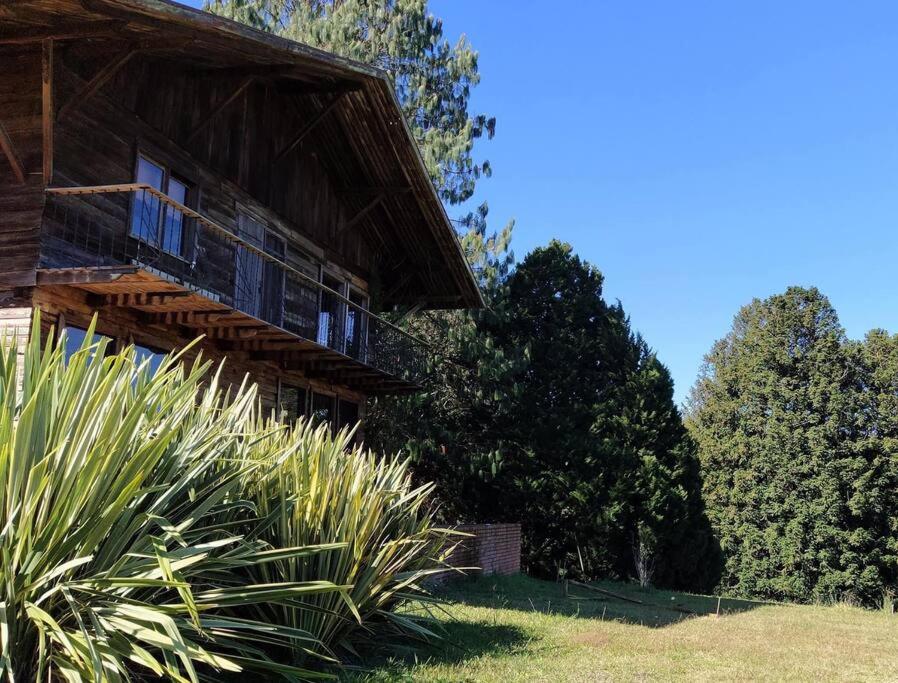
326	490
123	529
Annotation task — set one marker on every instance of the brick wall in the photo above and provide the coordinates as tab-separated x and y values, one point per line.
493	548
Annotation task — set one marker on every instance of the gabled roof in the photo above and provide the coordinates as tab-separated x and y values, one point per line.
369	111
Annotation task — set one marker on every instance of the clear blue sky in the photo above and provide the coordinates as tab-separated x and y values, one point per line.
699	154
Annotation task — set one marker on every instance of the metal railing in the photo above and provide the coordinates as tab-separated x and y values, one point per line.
136	224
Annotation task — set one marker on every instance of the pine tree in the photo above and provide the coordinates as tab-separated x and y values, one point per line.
772	414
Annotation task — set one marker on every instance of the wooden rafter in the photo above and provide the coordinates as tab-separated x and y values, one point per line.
217	109
189	318
364	191
132	299
310	126
98	81
88	29
368	208
47	108
9	150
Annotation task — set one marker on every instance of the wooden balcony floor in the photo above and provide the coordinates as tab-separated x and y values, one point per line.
164	303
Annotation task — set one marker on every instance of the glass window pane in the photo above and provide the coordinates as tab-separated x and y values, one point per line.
145	209
173	230
356	326
155	358
349	413
292	403
330	317
74	339
322	408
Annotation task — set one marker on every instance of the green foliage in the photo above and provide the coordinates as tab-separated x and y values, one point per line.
448	428
555	415
118	506
796	436
433	78
605	450
152	523
323	491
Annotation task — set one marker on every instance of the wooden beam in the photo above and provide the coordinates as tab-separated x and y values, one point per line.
309	127
368	208
87	29
98	81
47	119
71	276
9	150
133	299
217	109
301	88
375	190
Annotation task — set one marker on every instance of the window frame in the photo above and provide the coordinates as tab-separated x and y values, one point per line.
190	193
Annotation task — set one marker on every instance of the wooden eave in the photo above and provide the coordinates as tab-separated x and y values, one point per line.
161	302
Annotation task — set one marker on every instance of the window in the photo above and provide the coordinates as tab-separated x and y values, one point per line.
291	403
259	286
273	281
322	408
356	332
330	314
154	357
349	414
153	222
248	285
75	337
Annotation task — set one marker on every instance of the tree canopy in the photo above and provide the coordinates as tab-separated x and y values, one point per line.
796	445
574	434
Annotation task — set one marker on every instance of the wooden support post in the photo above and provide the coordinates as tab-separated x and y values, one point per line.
47	119
216	110
98	81
309	127
12	157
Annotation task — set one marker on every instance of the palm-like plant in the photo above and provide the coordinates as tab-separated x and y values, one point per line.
326	491
123	544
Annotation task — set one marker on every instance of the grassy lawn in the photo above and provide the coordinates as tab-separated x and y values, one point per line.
520	629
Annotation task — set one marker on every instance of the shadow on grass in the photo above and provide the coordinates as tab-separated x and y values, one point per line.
459	641
653	608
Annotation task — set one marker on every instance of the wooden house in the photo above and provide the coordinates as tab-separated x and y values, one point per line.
180	175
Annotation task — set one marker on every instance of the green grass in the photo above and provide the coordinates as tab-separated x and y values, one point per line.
521	629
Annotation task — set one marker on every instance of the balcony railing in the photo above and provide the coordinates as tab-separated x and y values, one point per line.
135	224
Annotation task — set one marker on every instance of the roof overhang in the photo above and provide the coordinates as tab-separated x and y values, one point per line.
375	90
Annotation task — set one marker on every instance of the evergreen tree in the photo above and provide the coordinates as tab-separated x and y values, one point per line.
433	78
873	472
774	414
605	467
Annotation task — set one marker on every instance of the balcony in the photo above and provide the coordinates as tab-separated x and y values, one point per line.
131	245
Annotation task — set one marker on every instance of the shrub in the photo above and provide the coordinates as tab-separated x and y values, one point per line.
127	542
326	491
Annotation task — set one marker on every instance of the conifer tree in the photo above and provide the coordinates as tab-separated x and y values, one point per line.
773	413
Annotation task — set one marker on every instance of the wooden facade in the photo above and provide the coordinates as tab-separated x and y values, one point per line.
178	174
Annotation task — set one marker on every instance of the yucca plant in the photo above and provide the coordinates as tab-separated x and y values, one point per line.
127	546
326	490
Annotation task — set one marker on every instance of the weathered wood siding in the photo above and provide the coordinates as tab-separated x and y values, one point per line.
20	205
151	104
